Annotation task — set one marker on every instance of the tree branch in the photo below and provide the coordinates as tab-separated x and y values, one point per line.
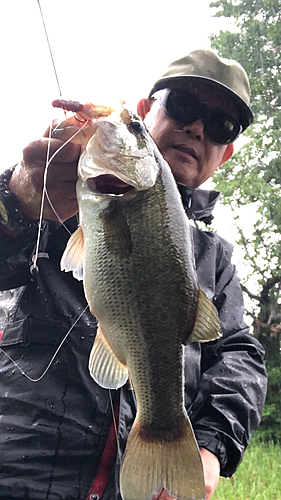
270	283
251	314
250	294
250	258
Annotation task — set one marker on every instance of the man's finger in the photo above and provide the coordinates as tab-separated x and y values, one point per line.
37	150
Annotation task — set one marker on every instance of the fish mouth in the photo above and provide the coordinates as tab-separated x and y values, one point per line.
108	184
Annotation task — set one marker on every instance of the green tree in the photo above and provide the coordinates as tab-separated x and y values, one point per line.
253	176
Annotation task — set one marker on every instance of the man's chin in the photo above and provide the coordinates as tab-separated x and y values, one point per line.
185	175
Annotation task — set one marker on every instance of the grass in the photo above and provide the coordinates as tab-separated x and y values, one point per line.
257	478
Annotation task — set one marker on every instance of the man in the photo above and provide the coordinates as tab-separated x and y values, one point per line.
55	436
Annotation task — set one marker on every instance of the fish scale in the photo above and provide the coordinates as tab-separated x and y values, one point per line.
140	282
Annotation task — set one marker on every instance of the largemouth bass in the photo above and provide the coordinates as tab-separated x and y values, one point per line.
135	245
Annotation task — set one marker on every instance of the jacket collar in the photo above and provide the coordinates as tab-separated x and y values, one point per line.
199	203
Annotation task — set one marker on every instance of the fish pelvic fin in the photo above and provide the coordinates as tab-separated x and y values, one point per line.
207	324
73	256
149	466
104	366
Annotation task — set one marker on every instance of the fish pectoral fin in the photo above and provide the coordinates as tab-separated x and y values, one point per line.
150	465
73	256
79	274
104	366
207	324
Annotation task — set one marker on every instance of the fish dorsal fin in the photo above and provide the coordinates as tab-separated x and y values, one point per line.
73	256
207	324
104	366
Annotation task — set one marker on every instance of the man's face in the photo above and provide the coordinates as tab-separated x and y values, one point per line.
191	154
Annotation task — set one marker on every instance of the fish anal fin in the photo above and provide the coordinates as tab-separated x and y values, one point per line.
73	256
149	466
104	366
207	324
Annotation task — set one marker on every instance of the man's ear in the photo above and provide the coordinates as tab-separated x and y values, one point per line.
227	154
143	107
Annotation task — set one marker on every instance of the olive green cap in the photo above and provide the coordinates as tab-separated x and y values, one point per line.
206	65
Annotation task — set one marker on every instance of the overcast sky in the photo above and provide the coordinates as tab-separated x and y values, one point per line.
116	47
109	47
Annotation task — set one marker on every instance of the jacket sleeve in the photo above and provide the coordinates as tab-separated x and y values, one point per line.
17	239
232	387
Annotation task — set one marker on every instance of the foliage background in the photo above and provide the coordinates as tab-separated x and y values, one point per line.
252	179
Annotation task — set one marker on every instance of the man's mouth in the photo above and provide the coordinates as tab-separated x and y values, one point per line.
186	150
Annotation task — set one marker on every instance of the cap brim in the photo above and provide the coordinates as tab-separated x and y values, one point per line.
169	82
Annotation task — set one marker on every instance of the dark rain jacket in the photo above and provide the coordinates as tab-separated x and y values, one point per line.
53	429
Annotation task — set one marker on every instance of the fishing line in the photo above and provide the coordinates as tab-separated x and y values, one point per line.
35	256
42	201
52	358
45	193
50	50
115	424
47	162
56	214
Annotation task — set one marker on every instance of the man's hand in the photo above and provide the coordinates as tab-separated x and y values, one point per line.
27	179
211	467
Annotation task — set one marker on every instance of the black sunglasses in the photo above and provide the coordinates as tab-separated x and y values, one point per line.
186	108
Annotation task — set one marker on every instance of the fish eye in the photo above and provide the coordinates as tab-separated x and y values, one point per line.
136	127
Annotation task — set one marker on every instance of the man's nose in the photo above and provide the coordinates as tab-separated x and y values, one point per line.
195	129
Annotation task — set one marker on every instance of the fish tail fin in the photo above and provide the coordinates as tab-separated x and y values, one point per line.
150	465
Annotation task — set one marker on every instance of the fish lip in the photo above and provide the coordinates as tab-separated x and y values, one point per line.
108	184
187	150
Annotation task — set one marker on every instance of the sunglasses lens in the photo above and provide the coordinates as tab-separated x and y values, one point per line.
181	106
186	108
221	129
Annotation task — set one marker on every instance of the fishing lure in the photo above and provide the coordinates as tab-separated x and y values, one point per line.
73	106
86	111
